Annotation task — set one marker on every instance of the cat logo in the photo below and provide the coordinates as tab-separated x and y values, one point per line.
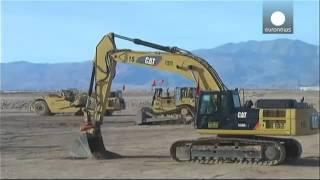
149	60
242	114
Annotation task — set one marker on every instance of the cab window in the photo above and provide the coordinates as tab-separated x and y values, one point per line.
236	100
208	104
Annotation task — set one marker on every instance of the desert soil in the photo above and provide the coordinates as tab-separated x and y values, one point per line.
39	146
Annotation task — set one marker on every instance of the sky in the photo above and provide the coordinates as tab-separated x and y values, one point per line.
68	31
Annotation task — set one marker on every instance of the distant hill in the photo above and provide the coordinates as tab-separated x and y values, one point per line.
281	63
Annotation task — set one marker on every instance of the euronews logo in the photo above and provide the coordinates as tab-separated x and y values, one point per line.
277	17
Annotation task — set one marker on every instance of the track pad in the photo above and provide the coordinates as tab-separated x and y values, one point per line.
91	146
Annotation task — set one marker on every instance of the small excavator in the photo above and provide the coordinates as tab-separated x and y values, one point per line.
243	134
176	109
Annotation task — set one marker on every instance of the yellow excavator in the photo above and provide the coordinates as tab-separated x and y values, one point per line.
244	134
169	109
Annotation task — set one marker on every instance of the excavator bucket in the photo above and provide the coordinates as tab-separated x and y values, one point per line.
91	146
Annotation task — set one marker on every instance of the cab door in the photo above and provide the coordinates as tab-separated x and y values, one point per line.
208	112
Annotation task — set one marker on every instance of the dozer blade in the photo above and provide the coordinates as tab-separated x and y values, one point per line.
91	146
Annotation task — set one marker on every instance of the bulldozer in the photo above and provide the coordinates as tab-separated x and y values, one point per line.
73	101
242	134
176	109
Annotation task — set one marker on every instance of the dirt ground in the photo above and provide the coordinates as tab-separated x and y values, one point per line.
39	147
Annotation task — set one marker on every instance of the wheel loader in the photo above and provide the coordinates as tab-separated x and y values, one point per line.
165	109
242	134
73	101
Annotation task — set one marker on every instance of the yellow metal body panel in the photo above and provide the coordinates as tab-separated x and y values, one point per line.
175	63
170	103
188	101
57	104
60	105
162	104
302	123
276	122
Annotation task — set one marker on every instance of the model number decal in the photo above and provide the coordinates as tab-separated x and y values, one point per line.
242	114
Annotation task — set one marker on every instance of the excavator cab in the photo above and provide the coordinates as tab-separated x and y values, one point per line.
222	110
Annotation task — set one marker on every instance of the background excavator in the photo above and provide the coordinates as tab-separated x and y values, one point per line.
245	134
178	108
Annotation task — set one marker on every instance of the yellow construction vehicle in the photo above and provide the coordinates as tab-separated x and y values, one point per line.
179	107
73	101
244	134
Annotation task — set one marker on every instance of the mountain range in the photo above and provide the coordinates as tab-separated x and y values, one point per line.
281	63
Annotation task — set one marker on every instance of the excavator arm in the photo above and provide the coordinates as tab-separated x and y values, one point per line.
171	59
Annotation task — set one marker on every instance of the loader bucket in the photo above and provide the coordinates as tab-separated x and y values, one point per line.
91	146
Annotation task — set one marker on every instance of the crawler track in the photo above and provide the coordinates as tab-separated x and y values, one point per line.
243	150
148	113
